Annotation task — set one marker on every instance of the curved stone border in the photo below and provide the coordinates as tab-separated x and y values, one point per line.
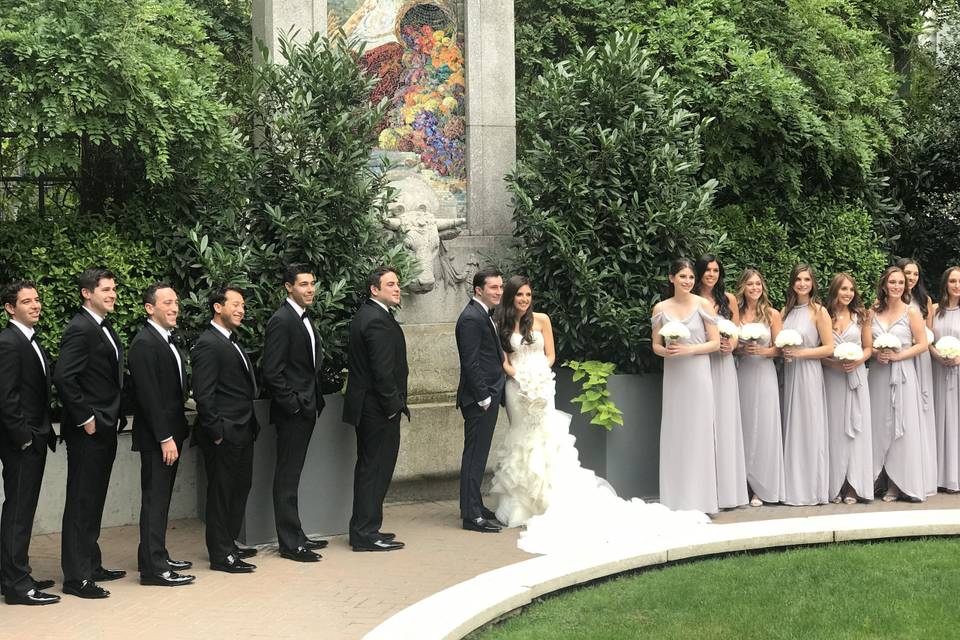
454	612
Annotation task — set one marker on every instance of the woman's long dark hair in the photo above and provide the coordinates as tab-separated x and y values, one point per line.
719	293
856	308
944	293
678	265
505	316
883	300
919	292
791	296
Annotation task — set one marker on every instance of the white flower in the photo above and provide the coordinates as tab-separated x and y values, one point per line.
788	338
887	341
949	347
930	336
849	351
536	383
674	330
727	329
754	332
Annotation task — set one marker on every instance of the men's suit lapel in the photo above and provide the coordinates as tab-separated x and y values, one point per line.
42	370
241	354
493	328
169	354
118	353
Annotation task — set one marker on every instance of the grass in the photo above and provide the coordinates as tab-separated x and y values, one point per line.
907	589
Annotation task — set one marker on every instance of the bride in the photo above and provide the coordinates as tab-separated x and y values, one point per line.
538	480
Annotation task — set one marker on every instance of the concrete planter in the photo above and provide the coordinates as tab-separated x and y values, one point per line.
629	456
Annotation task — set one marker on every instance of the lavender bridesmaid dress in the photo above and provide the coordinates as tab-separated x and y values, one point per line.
760	415
946	401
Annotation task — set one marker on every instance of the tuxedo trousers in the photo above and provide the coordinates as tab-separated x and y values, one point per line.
378	443
293	440
156	489
478	426
22	476
89	464
229	474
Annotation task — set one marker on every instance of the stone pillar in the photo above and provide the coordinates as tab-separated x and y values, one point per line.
271	17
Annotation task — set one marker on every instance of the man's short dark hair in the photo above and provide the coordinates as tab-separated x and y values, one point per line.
12	290
291	271
90	278
376	276
150	293
219	296
480	277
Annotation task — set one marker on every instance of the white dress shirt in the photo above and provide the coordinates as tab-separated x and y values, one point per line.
486	402
116	350
28	332
306	323
227	334
176	354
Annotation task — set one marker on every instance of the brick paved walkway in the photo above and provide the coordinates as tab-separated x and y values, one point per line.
344	596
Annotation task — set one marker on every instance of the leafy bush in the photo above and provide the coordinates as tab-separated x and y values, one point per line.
606	194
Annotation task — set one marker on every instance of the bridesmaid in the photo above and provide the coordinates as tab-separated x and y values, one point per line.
946	382
920	301
805	464
895	404
688	468
760	393
728	431
848	396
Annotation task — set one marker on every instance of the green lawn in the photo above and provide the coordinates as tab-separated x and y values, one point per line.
907	589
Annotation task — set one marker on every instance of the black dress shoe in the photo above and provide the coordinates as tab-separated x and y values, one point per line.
84	589
245	552
233	564
315	544
105	575
34	597
179	565
167	579
386	536
300	554
40	585
379	545
481	525
490	517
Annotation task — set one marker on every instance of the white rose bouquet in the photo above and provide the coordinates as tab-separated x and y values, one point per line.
949	347
887	342
754	332
848	352
536	384
788	338
727	329
674	331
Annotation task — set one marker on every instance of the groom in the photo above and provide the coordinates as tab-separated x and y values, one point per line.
479	394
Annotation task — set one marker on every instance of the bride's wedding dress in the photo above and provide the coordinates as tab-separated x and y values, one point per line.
539	482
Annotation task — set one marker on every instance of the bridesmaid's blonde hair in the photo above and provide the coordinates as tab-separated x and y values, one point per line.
764	307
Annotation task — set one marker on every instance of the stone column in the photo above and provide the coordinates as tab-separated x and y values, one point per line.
271	17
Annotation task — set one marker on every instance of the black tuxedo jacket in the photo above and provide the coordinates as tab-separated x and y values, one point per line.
481	357
156	378
289	373
224	390
24	392
377	361
89	378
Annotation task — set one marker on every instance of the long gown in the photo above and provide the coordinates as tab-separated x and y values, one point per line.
848	411
806	468
728	432
924	366
946	400
897	413
540	484
688	457
760	416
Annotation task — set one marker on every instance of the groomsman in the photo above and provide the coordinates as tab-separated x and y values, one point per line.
159	429
291	374
479	394
89	379
25	434
224	387
376	396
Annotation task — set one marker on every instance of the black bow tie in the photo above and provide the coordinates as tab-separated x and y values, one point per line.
233	338
170	338
490	312
304	316
33	338
105	324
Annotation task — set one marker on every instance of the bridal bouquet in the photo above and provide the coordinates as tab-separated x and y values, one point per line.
754	332
536	383
888	342
949	347
788	338
673	331
727	329
848	352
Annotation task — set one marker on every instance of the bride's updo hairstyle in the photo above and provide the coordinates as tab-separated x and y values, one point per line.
506	315
678	265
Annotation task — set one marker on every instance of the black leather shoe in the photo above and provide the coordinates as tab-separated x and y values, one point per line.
379	545
315	544
300	554
34	597
167	579
105	575
84	589
40	585
233	564
179	565
481	525
490	517
245	552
